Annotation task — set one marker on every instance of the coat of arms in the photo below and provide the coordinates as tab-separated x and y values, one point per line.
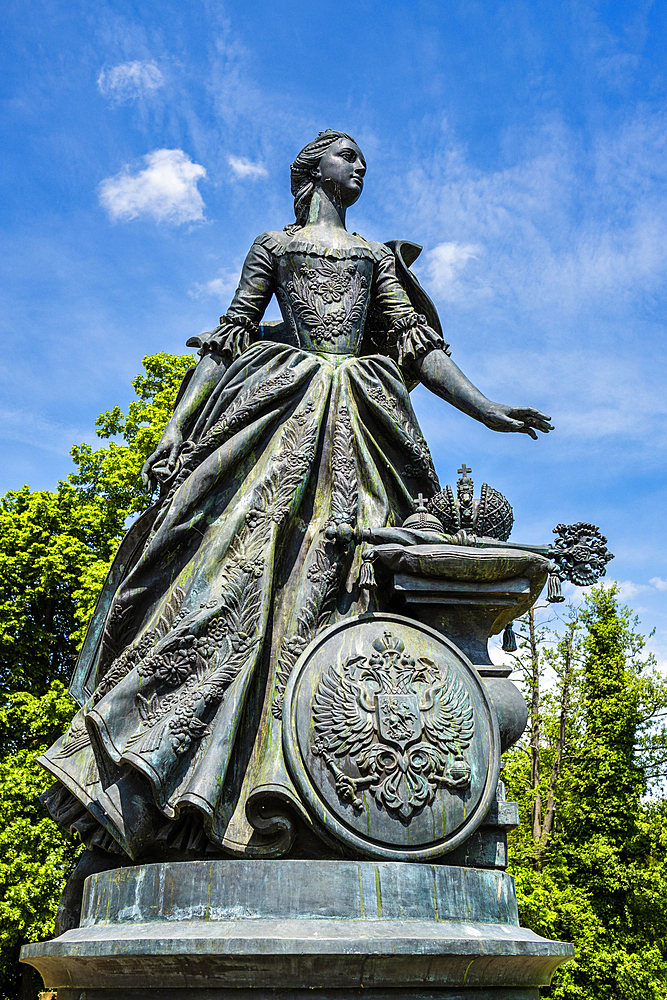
402	724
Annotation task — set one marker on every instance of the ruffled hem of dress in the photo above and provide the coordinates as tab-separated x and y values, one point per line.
66	810
296	245
234	335
185	836
414	339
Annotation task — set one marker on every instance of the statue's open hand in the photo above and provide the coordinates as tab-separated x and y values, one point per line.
160	465
523	419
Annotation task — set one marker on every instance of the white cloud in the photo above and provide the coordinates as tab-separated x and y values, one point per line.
444	264
245	169
129	80
567	227
165	190
222	287
627	589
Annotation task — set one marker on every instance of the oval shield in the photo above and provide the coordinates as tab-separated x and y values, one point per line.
391	738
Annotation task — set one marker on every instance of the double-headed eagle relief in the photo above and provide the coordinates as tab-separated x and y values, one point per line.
403	723
390	738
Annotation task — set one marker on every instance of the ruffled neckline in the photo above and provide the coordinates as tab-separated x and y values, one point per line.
293	244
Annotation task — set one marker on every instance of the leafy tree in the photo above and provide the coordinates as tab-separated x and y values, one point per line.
590	856
55	549
36	855
110	477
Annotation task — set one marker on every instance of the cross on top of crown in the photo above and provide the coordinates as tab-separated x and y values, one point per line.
464	471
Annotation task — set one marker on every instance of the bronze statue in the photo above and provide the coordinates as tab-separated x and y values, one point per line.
285	440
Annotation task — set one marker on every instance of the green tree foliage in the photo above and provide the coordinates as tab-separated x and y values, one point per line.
36	855
109	477
55	549
590	856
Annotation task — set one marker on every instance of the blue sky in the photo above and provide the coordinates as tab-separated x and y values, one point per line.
522	144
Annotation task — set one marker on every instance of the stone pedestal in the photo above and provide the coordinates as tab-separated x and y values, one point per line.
466	611
316	929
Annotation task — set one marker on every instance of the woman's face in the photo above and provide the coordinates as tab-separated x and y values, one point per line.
341	171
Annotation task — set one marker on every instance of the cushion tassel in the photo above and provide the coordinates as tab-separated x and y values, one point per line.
509	639
554	593
367	574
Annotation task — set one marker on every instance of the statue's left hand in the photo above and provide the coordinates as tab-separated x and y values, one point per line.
516	418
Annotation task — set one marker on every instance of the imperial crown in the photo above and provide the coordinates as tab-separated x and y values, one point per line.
491	515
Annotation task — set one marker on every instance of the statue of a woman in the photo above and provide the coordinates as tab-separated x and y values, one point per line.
226	579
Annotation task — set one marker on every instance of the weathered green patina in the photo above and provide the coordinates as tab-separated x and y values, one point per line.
282	440
227	930
247	688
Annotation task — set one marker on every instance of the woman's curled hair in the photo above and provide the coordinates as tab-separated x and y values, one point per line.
302	174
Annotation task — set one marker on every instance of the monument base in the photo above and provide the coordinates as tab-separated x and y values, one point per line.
398	993
230	930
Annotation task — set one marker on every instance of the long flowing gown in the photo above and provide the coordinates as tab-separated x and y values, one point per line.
179	748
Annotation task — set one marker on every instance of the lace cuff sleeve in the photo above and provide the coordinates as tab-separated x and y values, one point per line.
229	340
408	334
414	338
